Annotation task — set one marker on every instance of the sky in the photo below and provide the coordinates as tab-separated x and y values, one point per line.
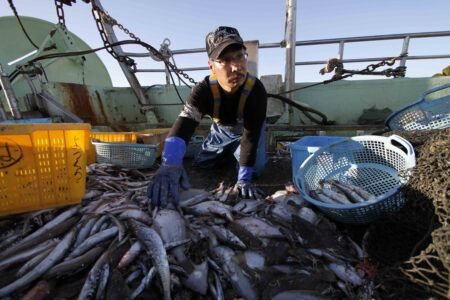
185	23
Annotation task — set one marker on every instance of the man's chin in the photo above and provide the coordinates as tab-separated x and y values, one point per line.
236	82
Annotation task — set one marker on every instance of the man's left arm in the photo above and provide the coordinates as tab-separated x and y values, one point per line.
254	118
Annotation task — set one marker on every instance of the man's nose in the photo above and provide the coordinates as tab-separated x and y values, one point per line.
235	67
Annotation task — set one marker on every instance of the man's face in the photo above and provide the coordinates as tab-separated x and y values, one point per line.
230	69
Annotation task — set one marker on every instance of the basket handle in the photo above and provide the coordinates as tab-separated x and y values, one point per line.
435	90
411	159
421	99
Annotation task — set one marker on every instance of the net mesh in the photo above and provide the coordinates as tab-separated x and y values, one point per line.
413	246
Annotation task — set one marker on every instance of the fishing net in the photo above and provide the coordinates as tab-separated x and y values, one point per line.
416	241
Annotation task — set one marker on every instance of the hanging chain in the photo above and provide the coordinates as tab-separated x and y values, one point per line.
60	12
337	66
397	72
99	14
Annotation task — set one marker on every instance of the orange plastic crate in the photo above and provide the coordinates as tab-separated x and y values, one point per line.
42	165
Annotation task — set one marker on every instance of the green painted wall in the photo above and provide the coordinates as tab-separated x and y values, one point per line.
344	101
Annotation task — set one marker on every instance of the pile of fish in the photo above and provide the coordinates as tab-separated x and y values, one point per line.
333	191
114	245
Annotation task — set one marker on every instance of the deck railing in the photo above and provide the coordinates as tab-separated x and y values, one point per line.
341	42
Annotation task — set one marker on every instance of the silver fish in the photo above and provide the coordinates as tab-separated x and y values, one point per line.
347	273
227	237
351	194
130	255
26	255
338	197
360	191
33	262
104	277
54	257
94	240
193	196
299	294
76	264
212	207
241	284
154	246
260	228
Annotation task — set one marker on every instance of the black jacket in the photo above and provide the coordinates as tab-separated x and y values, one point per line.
200	103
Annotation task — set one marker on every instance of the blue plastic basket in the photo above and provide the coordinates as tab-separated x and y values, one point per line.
307	145
370	162
130	156
423	114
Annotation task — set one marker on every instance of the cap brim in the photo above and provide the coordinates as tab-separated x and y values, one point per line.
219	49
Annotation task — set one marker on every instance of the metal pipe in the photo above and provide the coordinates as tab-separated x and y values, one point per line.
319	42
289	78
355	60
9	95
163	70
404	51
341	41
312	62
341	50
374	38
130	76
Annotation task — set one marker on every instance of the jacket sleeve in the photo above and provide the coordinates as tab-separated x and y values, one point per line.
197	105
254	117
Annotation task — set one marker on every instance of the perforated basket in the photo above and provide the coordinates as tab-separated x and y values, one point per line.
130	156
423	114
109	137
370	162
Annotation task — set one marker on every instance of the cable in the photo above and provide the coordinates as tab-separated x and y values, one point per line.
75	53
315	84
305	109
175	86
11	4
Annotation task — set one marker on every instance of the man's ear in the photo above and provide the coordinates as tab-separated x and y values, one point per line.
211	66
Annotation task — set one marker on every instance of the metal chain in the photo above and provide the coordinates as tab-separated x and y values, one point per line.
60	12
96	12
153	52
370	69
384	62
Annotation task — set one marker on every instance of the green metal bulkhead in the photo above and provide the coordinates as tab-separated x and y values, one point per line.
50	38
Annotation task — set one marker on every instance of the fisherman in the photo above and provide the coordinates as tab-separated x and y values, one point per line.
236	101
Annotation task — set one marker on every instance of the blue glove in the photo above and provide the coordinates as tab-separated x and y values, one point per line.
244	186
171	175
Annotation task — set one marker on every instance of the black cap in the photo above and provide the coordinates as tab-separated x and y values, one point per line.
221	38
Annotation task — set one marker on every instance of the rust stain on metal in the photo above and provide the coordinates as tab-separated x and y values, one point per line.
80	102
102	108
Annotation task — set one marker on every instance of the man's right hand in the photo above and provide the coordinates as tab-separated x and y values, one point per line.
167	180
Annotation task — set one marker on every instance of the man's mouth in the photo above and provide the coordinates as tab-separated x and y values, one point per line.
237	77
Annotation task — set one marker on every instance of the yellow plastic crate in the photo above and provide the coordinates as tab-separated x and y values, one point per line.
115	137
154	136
42	165
109	137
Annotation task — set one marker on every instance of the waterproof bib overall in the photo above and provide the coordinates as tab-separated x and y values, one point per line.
224	141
